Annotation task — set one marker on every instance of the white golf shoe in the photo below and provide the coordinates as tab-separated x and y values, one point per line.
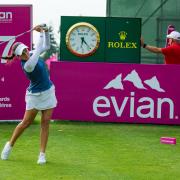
41	158
6	151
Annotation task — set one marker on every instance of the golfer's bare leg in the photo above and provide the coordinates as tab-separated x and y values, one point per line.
29	117
46	116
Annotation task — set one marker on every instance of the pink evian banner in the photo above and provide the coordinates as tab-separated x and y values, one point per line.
14	20
112	92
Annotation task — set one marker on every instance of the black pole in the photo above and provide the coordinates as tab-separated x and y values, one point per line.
157	9
108	8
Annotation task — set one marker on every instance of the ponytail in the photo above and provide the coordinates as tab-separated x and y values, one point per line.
9	58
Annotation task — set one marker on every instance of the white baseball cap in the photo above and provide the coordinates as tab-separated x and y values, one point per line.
19	49
174	35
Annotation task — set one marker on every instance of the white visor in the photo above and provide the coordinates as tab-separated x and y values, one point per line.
19	49
174	35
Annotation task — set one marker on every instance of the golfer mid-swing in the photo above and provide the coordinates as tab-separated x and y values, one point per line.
40	95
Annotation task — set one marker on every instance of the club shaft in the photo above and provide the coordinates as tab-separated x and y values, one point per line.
16	36
42	25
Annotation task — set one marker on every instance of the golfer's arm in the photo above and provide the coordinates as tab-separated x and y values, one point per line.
31	63
153	49
46	41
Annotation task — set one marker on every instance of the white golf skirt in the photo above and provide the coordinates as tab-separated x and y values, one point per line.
42	100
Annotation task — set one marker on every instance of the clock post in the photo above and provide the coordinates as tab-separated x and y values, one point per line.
100	39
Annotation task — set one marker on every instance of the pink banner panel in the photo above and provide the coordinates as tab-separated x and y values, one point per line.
113	92
13	84
14	20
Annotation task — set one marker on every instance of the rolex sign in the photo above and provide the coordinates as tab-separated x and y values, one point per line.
123	40
100	39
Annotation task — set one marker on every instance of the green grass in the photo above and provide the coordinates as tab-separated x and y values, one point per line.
90	151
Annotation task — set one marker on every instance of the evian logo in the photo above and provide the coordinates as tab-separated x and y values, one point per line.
134	78
132	106
5	17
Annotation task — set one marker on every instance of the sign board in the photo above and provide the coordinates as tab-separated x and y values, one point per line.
114	92
14	20
119	39
13	84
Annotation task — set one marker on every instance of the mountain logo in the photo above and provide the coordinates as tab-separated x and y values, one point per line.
135	79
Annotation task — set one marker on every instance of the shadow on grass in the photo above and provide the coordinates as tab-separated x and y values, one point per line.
92	123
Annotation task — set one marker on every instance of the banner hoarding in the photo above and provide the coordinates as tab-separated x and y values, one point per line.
108	92
14	20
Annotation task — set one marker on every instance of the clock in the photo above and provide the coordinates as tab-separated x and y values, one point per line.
82	39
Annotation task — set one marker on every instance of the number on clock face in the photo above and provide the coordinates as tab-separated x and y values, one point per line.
83	39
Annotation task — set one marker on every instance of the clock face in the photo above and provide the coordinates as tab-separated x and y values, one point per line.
82	39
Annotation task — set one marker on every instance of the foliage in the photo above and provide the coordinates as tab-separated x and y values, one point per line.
54	48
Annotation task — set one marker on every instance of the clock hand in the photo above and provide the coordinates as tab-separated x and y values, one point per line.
86	44
82	41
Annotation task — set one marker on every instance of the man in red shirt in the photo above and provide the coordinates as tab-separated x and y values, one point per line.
172	52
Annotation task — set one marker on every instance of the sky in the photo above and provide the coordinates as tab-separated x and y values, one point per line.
49	11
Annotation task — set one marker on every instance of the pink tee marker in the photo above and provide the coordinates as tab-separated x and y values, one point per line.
168	140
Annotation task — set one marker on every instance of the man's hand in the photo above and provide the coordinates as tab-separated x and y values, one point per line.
150	48
142	41
38	28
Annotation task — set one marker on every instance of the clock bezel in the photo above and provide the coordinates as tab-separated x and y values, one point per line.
72	29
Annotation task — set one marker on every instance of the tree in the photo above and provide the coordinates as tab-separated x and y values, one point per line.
54	48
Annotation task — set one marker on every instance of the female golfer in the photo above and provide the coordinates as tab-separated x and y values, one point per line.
40	95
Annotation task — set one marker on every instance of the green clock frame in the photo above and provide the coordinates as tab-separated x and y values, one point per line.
119	39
